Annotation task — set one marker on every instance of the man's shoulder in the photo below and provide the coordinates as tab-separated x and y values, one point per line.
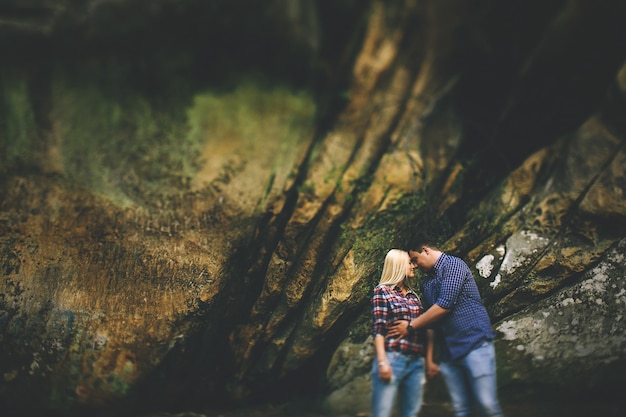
454	261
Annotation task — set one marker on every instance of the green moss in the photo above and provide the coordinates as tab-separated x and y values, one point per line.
383	231
18	133
119	142
254	113
306	188
136	145
260	124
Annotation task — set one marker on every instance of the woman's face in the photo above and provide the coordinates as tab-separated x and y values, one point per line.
410	271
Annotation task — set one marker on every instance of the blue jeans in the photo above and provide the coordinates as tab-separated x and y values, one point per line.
471	381
405	385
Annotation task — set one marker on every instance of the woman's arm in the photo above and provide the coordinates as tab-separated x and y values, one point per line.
379	317
384	368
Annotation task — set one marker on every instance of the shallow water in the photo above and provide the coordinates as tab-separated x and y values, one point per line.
617	408
429	410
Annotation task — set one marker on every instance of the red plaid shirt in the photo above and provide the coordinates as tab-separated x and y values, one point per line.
390	305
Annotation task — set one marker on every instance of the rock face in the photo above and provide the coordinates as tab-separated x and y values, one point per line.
571	332
191	221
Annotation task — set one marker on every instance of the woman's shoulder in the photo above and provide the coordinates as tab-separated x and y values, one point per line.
381	288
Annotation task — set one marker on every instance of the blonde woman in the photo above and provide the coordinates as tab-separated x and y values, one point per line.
398	372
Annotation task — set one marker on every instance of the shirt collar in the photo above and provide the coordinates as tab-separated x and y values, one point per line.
439	263
398	289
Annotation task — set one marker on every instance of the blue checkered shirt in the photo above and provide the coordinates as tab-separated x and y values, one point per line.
451	286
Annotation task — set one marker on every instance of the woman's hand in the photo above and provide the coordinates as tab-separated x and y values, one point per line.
384	371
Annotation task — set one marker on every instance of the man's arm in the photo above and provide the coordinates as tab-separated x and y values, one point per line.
432	369
400	328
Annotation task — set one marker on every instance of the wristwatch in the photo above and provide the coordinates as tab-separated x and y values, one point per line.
409	328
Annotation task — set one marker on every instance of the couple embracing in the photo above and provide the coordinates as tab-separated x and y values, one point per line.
404	331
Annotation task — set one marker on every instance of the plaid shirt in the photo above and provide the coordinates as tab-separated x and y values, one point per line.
389	305
452	286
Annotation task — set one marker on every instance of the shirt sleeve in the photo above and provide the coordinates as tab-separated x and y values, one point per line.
452	281
380	310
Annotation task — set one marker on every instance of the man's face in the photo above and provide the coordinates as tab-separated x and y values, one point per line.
420	260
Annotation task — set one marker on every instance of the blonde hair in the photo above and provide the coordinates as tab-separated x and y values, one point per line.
394	268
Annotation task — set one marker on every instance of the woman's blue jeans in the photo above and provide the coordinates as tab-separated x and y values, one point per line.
471	381
405	386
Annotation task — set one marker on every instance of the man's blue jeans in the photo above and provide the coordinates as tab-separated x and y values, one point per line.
471	381
405	386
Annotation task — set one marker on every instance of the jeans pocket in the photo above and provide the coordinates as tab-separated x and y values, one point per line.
481	361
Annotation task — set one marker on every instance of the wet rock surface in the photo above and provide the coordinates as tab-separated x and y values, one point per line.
176	230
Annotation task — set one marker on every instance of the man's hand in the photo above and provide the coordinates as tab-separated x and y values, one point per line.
398	329
432	370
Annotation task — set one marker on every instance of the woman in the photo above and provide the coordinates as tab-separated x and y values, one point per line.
399	368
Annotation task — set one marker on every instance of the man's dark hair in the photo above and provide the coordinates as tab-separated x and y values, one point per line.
418	241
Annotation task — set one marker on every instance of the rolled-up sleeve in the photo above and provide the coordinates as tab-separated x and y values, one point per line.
451	285
380	309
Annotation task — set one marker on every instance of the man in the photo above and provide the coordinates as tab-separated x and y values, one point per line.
456	312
